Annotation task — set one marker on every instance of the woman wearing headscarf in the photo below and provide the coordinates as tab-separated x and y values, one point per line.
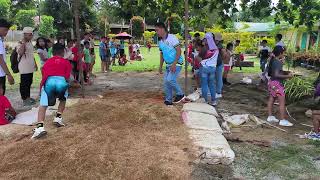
208	54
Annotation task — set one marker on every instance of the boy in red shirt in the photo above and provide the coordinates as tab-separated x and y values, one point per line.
54	84
7	113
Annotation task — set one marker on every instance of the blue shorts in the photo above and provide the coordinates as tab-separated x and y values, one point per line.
55	87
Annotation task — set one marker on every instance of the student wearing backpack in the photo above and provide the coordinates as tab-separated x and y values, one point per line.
27	66
4	70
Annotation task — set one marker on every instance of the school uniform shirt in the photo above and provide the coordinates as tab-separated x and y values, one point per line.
102	49
3	54
68	54
264	52
280	43
27	64
55	66
168	47
5	104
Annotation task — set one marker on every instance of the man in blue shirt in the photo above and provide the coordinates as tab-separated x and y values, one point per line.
170	53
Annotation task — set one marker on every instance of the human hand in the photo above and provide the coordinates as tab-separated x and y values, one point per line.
173	68
160	71
10	79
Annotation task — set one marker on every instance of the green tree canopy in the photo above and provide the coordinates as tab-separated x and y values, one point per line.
4	8
46	26
24	18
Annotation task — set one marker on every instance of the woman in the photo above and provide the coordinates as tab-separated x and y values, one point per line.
208	54
42	50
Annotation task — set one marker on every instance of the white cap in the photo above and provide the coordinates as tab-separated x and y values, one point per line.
28	30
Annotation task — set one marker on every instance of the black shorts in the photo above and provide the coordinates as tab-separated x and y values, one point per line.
3	84
121	52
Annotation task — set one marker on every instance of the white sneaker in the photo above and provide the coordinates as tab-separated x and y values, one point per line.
218	96
58	122
38	132
272	119
214	103
285	122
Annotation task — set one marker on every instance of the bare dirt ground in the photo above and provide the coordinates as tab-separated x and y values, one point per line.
121	130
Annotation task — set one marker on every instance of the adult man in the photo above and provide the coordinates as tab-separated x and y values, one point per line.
27	66
4	70
170	53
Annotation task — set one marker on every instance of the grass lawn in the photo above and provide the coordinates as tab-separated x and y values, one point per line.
150	63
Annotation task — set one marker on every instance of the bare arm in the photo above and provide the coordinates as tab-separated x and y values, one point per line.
4	65
282	76
42	57
161	63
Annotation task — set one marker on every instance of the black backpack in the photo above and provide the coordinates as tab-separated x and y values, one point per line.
14	59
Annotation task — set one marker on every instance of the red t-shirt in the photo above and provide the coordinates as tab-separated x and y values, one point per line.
74	51
4	104
56	66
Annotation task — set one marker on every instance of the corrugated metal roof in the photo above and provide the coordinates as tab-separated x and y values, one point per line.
253	27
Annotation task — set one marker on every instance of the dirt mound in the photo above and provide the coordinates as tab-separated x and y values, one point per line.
124	135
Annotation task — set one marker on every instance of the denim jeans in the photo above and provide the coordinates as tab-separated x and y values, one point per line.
219	78
263	63
170	83
208	75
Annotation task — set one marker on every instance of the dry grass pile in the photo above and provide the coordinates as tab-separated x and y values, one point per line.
125	135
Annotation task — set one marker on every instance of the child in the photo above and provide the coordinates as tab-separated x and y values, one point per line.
7	113
275	86
228	61
113	51
54	84
279	41
103	54
49	45
42	50
87	60
264	54
123	60
149	47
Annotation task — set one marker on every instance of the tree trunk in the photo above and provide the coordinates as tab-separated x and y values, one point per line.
76	5
186	33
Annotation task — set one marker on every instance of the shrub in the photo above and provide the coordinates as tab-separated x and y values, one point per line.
297	88
137	26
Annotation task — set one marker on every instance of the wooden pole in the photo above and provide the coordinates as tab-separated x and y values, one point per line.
76	5
186	35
